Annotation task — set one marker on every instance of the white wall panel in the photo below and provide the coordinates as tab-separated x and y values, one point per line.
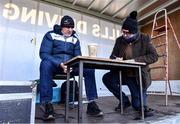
17	60
24	27
48	16
3	30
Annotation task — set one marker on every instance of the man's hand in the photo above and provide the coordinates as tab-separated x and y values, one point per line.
119	58
64	67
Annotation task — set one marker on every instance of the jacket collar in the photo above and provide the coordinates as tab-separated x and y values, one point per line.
136	40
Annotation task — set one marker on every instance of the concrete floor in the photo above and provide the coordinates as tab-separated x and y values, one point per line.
163	114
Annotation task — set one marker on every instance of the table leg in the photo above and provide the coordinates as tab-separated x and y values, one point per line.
80	107
141	93
120	90
67	96
74	81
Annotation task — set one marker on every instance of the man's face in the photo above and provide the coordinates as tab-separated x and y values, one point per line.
67	31
126	34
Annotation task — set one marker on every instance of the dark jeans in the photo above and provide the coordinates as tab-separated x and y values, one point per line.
111	81
48	69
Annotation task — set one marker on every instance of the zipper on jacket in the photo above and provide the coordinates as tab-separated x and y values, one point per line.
64	56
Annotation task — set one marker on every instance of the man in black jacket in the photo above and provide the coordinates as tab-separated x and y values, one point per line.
132	46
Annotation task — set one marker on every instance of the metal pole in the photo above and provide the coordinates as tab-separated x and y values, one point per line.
74	81
80	107
67	96
120	91
167	55
141	93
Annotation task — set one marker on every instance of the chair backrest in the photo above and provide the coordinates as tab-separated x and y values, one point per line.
61	76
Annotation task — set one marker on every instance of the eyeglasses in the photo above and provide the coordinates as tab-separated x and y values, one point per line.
126	32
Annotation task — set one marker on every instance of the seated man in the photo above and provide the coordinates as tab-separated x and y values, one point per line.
134	46
58	46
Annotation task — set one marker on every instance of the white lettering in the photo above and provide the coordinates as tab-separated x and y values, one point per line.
31	14
118	33
40	18
11	12
82	27
113	37
49	22
106	33
96	30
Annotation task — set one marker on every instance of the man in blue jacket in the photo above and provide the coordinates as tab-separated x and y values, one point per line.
58	46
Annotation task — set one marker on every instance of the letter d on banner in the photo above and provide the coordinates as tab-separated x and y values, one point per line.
82	27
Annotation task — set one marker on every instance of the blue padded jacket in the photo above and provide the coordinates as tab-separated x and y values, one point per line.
58	49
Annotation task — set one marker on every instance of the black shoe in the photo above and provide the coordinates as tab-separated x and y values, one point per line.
93	109
125	106
148	112
49	112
